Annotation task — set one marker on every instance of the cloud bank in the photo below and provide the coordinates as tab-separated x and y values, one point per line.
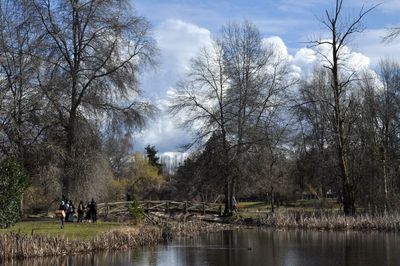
179	41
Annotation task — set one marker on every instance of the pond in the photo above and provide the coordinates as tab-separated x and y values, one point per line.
252	247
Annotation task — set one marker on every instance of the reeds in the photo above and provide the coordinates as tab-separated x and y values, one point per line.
14	245
189	228
21	246
327	221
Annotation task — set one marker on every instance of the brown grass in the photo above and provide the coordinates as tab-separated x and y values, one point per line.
21	246
326	221
14	245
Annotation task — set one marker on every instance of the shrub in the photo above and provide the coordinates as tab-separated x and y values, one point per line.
12	185
136	211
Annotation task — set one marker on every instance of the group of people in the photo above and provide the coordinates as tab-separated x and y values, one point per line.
67	211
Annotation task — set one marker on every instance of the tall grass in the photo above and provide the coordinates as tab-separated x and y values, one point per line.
327	221
17	245
14	245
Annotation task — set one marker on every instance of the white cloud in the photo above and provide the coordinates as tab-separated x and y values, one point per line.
178	42
163	132
280	49
304	56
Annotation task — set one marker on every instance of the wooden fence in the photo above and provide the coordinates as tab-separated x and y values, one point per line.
203	208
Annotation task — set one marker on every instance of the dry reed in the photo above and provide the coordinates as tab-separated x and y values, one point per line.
14	245
21	246
327	221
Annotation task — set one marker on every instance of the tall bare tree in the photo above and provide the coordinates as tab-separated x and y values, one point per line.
341	31
94	52
232	92
314	113
21	125
387	122
203	98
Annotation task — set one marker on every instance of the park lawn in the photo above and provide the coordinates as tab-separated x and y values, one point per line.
299	205
254	206
71	231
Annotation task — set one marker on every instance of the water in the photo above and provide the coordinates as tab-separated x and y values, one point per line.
252	247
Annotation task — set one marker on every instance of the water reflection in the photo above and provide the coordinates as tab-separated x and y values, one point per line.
252	247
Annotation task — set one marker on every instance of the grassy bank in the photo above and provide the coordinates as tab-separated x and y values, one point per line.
72	231
48	239
299	205
18	245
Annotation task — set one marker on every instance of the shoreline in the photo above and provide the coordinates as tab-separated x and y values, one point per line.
23	246
324	221
150	232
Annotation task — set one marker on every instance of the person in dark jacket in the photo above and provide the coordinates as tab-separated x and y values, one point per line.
93	210
88	214
81	210
70	212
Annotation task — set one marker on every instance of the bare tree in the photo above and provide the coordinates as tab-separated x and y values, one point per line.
387	122
203	98
21	125
341	31
94	51
314	114
232	91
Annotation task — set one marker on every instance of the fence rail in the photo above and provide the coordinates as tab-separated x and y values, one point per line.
109	208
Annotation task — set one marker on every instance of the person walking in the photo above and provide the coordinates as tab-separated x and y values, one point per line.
93	210
61	213
71	212
234	204
81	209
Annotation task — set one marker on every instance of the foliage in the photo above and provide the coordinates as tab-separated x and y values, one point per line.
118	189
143	178
200	178
136	211
151	153
35	199
12	186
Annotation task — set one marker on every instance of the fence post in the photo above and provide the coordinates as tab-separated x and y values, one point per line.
220	210
166	207
204	208
147	207
107	209
185	207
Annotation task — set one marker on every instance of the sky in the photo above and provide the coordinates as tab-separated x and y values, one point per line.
182	27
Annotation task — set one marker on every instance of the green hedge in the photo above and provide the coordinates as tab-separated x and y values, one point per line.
12	185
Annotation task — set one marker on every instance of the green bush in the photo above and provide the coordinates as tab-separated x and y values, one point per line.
136	211
12	185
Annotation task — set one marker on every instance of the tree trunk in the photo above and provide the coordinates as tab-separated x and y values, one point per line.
227	198
272	198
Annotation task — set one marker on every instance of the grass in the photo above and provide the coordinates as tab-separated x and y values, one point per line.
72	231
299	205
254	205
